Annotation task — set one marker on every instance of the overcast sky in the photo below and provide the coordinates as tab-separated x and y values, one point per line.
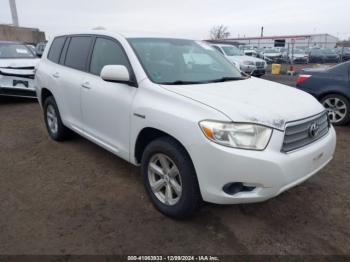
185	18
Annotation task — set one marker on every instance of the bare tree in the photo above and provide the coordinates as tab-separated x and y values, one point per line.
219	32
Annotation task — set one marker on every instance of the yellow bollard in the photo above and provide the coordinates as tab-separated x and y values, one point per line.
275	69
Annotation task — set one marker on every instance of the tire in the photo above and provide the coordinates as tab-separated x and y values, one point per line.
337	105
189	200
57	131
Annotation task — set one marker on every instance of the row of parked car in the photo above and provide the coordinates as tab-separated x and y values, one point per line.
298	54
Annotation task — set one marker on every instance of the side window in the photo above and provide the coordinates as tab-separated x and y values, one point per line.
107	52
56	48
78	52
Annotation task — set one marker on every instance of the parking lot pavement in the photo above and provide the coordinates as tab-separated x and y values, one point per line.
76	198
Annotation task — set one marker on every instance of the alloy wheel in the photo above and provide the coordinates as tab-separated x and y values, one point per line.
336	108
51	118
164	179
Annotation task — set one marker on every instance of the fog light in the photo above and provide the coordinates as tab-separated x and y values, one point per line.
236	187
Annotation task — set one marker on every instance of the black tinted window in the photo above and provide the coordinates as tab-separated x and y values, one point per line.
107	52
56	48
78	52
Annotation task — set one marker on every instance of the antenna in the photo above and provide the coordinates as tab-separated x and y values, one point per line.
14	12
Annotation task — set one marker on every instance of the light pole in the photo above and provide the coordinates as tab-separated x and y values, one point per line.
14	12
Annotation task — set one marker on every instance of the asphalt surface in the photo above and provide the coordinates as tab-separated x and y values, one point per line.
76	198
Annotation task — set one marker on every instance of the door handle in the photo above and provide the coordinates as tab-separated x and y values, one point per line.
56	75
86	85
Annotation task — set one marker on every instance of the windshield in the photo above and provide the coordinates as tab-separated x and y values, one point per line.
177	61
231	51
15	51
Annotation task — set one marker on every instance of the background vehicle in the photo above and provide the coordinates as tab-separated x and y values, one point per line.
17	63
344	53
180	109
323	56
40	48
248	50
298	56
273	55
247	64
330	86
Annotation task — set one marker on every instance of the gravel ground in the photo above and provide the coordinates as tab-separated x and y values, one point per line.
76	198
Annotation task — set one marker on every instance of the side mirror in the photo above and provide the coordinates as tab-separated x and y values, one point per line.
115	73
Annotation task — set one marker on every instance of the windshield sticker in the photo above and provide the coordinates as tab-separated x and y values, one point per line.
21	51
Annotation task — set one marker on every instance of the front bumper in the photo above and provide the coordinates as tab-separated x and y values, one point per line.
270	171
17	86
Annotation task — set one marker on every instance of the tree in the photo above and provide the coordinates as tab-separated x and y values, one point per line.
219	32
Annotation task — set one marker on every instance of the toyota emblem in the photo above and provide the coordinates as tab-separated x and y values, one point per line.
313	130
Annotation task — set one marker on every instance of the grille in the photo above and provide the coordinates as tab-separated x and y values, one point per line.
304	132
259	64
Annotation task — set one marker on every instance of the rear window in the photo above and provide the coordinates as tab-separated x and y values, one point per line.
56	48
78	52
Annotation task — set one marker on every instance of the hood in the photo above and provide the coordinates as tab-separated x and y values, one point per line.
243	58
298	55
272	54
253	100
19	63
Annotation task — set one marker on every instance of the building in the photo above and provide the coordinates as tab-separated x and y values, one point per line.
22	34
320	40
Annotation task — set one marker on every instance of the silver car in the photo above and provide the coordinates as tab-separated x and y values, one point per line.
247	64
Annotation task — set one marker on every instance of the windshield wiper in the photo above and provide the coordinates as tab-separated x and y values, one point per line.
181	82
226	79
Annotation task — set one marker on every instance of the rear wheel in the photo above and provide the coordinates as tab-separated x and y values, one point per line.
54	125
170	179
338	108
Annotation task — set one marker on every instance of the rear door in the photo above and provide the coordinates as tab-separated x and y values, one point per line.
106	106
74	58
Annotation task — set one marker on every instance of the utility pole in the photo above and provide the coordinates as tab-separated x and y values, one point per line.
262	31
14	12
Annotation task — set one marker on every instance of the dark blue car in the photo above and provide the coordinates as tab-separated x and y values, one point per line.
331	86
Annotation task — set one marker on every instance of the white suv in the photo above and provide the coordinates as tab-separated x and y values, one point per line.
198	128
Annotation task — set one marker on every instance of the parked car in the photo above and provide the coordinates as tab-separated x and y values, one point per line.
39	49
273	55
248	50
198	128
323	56
298	56
247	64
17	63
345	54
331	86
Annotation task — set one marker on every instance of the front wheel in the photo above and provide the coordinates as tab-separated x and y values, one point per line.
338	108
170	179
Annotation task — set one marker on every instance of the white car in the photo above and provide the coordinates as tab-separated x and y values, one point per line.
17	64
273	55
180	110
248	64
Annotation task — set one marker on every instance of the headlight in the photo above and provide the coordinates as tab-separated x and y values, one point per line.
248	63
244	136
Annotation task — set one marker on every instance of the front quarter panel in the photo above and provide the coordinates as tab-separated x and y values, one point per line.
171	113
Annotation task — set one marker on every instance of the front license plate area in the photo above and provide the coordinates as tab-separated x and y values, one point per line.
20	83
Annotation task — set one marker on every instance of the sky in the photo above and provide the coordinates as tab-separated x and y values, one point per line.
184	18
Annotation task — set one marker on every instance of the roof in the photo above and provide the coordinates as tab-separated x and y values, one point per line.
278	37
